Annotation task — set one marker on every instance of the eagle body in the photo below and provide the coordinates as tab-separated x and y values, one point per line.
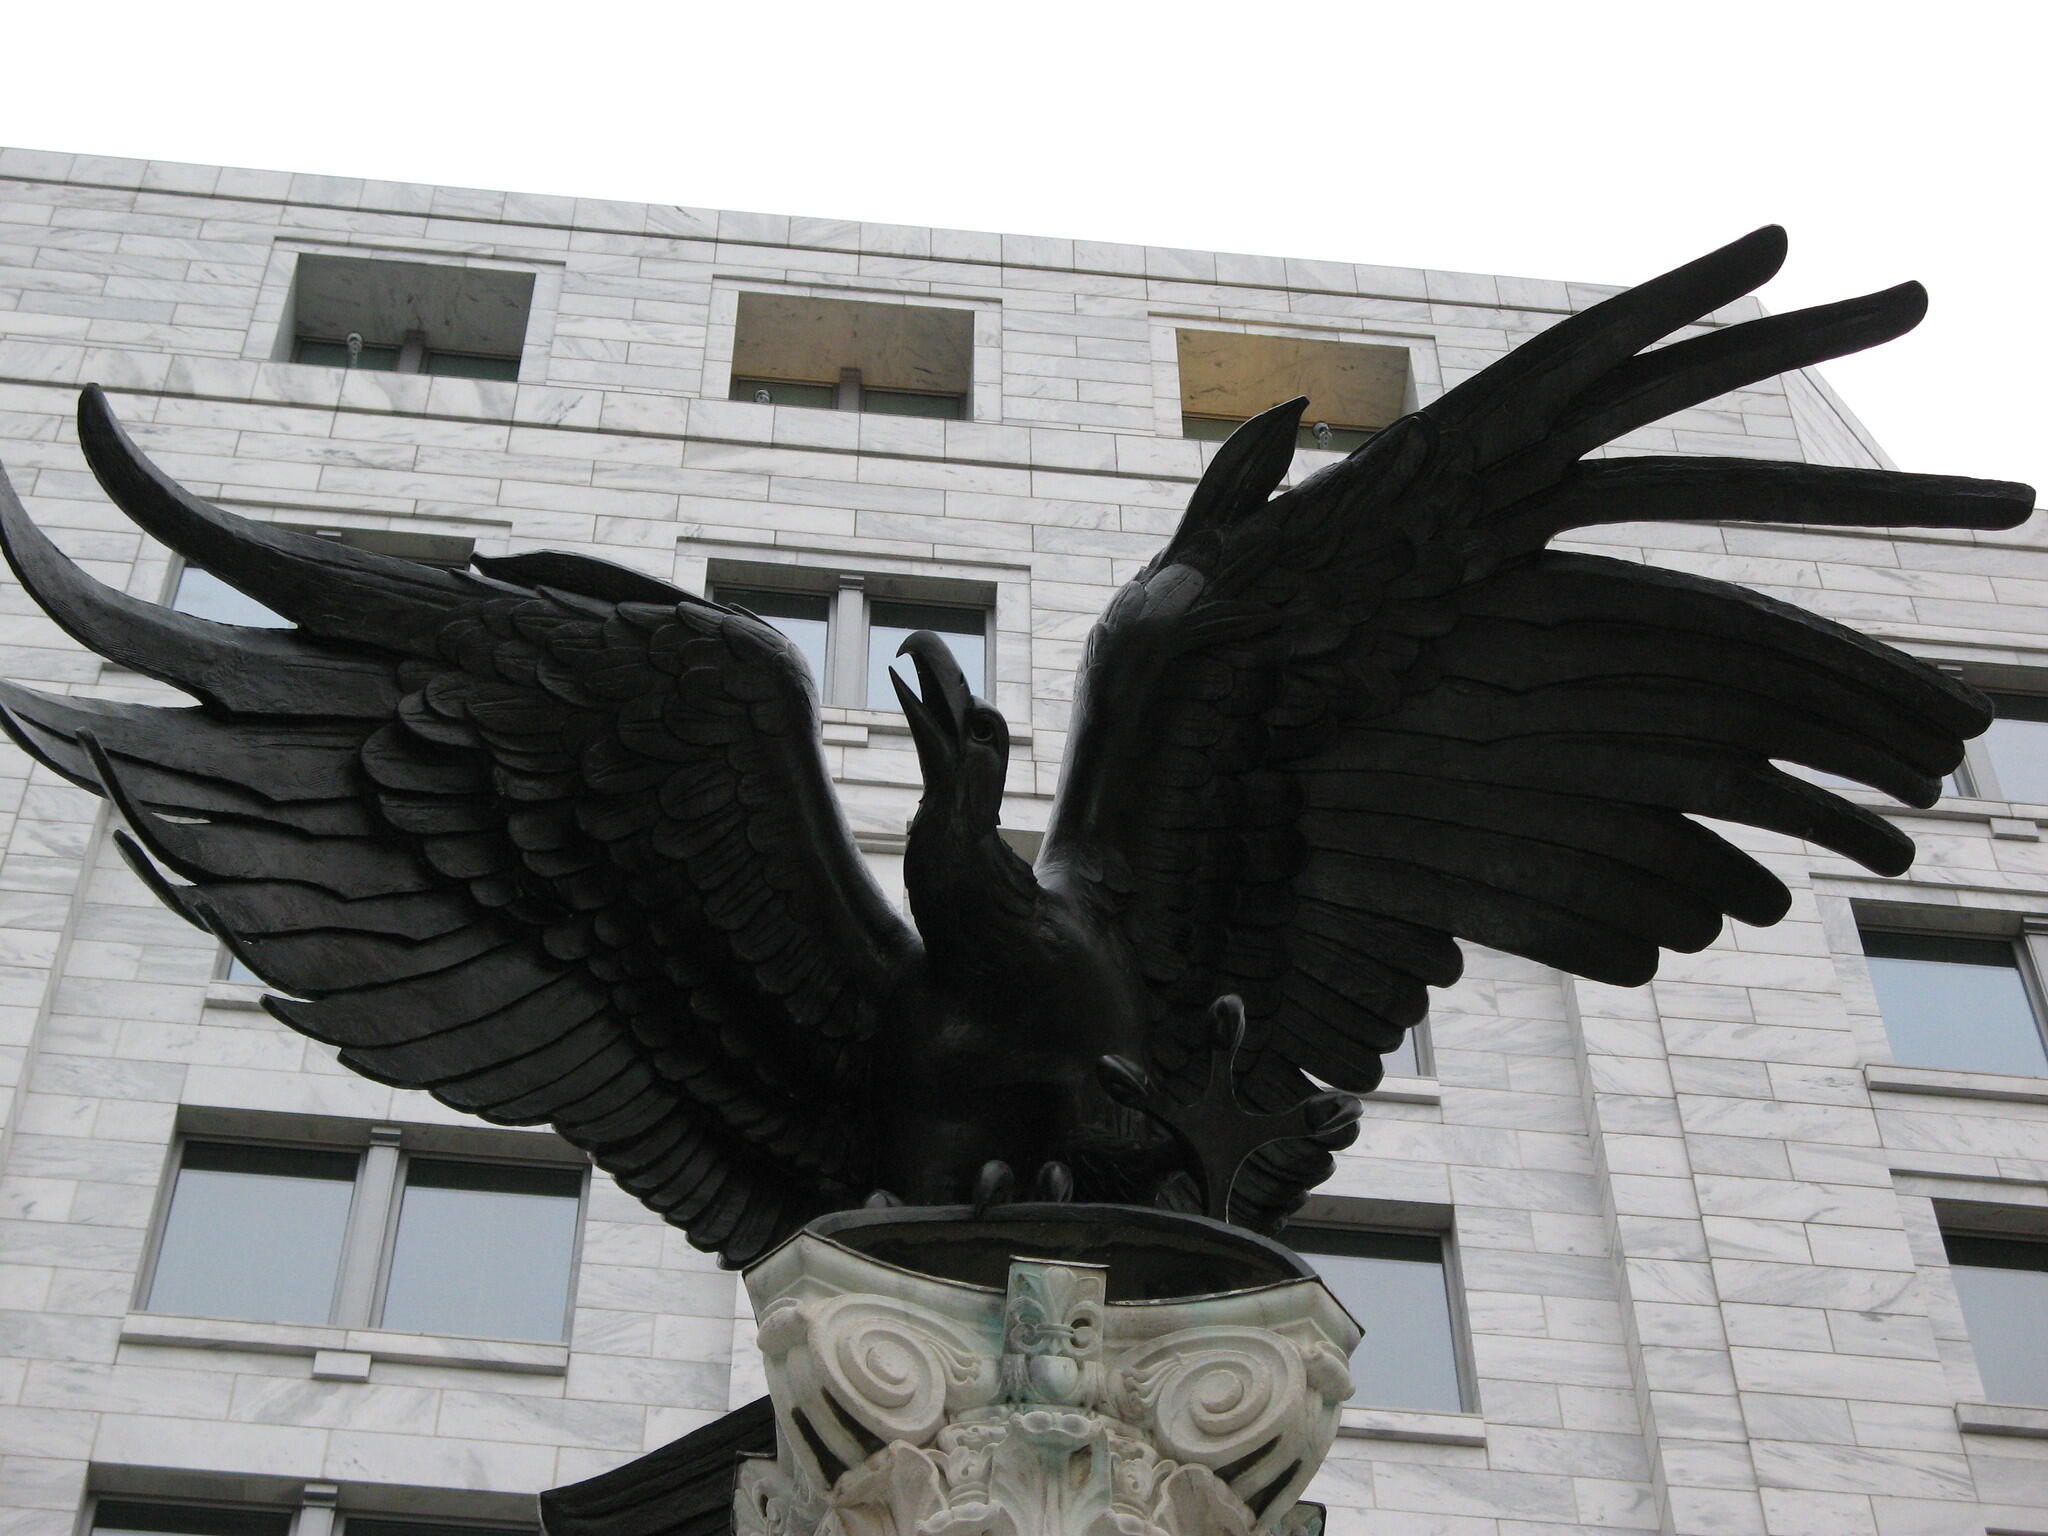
556	841
1024	990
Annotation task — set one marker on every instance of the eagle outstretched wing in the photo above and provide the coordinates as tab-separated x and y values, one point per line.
552	840
1322	736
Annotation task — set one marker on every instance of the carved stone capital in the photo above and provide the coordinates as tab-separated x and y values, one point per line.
912	1404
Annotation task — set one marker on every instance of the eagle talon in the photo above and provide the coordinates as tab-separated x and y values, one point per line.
995	1185
1054	1183
882	1200
1216	1130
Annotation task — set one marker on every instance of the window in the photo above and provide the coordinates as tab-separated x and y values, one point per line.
1396	1285
850	355
1411	1057
965	631
482	1248
1334	439
1226	377
2002	1283
230	968
308	1235
254	1231
356	1525
849	634
205	596
314	1517
155	1519
409	316
2010	761
1954	1001
803	616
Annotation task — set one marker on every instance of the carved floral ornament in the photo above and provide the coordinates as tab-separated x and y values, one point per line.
913	1406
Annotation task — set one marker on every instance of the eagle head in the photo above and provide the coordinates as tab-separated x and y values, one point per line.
963	743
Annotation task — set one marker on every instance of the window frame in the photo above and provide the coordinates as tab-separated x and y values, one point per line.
320	1509
224	964
850	598
849	393
1421	381
370	1232
1425	1054
375	541
2018	1225
2026	935
1976	777
1327	1213
347	1518
388	1244
96	1497
414	346
1304	435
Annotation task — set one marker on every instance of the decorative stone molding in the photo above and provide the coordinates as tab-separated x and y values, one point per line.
915	1404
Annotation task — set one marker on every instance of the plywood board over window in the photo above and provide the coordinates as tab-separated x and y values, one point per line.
913	348
1354	387
410	316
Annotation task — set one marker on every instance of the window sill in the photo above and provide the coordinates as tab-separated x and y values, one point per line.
2028	1423
235	994
311	1339
1886	1077
1412	1424
1406	1090
890	722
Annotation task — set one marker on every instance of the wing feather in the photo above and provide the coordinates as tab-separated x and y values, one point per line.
1322	737
554	842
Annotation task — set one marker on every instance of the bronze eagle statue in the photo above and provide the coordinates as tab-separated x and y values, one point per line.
555	840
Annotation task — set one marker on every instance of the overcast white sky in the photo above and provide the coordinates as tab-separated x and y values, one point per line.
1570	140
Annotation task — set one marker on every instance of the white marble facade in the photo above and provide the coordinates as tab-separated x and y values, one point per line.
1693	1225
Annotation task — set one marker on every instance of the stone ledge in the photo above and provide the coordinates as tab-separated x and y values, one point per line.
317	1341
1406	1090
1412	1424
1884	1077
235	994
2002	1419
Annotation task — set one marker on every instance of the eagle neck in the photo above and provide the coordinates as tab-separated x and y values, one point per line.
973	898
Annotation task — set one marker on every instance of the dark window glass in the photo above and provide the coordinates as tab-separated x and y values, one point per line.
334	354
904	402
2002	1283
483	1249
205	596
232	969
1342	439
469	365
783	392
1209	429
355	1526
188	1519
965	631
1951	784
2017	745
803	616
1394	1284
1214	429
1405	1060
254	1232
1954	1002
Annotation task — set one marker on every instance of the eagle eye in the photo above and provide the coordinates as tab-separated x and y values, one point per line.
981	728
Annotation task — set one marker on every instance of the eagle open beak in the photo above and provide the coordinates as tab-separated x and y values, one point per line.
940	715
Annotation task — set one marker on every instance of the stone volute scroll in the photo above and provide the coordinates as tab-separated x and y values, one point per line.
920	1402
